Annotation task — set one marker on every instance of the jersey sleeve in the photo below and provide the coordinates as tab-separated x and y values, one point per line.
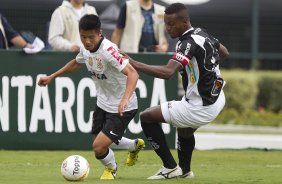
79	57
184	52
115	58
216	43
9	30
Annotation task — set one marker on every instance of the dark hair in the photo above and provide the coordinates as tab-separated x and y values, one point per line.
90	22
179	9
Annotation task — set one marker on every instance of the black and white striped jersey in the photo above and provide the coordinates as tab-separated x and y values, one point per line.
197	52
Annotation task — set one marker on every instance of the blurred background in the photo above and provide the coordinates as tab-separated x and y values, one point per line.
249	28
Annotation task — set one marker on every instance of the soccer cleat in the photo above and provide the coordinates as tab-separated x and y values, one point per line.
188	175
165	173
133	155
108	174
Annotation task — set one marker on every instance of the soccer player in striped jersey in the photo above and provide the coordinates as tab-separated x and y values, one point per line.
197	59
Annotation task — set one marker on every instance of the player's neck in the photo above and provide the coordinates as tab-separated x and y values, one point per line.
76	5
146	4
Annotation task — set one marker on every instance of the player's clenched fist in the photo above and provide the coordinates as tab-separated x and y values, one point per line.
43	81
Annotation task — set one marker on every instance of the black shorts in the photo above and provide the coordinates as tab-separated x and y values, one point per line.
111	124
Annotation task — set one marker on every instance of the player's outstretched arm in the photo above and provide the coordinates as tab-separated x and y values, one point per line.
159	71
68	68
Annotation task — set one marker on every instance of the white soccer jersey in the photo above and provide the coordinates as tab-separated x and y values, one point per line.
105	66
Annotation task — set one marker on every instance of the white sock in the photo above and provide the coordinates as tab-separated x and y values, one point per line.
109	160
125	143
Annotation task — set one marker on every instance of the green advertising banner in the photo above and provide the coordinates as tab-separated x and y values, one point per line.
59	116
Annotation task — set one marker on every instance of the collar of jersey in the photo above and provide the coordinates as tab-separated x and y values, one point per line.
188	31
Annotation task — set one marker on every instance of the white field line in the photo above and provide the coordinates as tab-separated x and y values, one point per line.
206	141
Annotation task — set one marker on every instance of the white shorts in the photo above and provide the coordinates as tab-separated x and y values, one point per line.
181	114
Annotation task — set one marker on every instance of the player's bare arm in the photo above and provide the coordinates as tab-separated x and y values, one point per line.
159	71
223	52
132	78
116	36
71	66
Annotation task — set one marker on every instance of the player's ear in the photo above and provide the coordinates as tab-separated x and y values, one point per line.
100	33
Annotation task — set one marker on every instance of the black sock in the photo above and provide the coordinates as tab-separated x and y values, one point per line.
156	139
185	147
103	156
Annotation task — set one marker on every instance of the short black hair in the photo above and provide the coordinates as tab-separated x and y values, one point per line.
179	9
90	22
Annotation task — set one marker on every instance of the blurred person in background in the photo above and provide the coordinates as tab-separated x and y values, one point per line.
63	29
140	27
9	36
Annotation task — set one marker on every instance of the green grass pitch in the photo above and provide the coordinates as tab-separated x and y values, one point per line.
216	166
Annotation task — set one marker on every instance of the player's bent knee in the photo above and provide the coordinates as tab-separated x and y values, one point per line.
99	149
144	116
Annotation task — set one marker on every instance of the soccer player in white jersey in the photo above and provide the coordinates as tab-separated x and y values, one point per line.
115	80
197	59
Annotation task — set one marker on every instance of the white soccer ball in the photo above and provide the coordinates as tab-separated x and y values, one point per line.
75	168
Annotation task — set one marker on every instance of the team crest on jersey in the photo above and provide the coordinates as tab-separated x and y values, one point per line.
99	64
90	61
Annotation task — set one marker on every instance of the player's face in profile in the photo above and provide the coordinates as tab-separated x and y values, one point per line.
173	25
90	38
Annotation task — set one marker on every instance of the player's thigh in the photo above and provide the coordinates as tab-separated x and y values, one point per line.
115	125
152	115
98	120
178	114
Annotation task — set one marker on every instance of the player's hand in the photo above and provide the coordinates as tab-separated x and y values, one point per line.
124	55
160	48
131	61
122	106
28	45
43	81
75	48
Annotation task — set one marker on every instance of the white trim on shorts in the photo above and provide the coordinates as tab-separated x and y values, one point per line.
182	114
